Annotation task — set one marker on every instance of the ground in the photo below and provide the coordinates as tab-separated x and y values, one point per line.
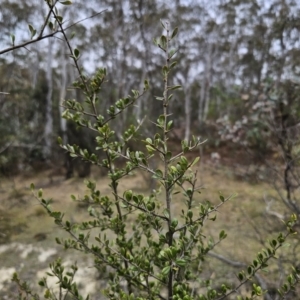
28	235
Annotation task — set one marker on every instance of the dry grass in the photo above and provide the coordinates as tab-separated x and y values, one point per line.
243	218
234	216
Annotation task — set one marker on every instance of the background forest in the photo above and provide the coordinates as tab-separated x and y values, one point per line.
238	63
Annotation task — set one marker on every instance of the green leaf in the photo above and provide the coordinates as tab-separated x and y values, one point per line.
47	294
161	120
169	125
166	213
189	214
241	276
41	283
159	98
32	30
195	161
183	160
148	140
13	38
255	263
128	195
146	85
170	97
51	26
221	197
76	53
173	64
222	235
180	262
163	41
150	149
66	2
250	271
165	70
171	53
166	270
59	19
151	206
273	243
168	155
174	223
174	33
175	87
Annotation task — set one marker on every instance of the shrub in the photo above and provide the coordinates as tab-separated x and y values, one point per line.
146	247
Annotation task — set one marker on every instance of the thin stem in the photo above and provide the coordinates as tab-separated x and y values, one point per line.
140	208
114	186
205	216
23	45
46	21
260	267
51	7
84	19
41	36
167	185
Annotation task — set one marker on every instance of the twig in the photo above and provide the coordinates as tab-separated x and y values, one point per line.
238	264
29	42
90	17
42	37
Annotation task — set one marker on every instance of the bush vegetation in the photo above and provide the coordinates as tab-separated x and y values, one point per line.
143	246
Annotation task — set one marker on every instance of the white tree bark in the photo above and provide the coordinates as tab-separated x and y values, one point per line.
48	129
138	109
35	68
187	111
205	86
62	95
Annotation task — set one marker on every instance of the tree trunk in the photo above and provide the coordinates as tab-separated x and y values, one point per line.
187	111
138	109
62	96
48	130
205	86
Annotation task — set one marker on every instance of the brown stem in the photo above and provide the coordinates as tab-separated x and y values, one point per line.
167	185
114	186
